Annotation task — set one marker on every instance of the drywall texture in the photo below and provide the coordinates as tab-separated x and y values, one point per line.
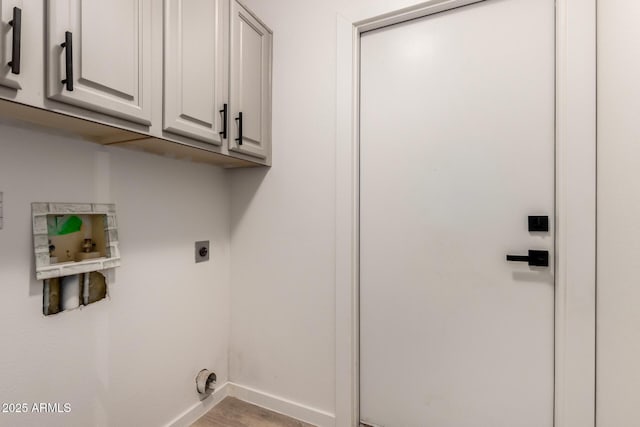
130	360
283	219
618	324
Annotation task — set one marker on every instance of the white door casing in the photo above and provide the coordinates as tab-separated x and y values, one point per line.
250	83
111	56
456	150
575	207
196	63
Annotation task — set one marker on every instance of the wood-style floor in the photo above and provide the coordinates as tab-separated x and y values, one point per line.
232	412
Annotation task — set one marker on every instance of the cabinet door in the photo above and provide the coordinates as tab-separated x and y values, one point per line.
10	43
195	68
250	78
111	56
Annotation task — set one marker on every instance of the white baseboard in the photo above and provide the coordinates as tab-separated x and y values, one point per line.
283	406
192	414
265	400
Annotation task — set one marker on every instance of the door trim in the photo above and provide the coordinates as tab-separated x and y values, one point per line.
575	262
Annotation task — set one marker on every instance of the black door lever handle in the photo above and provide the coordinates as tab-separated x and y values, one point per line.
534	259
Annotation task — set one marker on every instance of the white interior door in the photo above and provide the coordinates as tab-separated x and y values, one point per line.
456	151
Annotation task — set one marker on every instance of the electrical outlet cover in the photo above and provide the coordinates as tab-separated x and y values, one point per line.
202	251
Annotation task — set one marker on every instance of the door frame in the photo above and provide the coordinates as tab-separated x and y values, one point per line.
575	202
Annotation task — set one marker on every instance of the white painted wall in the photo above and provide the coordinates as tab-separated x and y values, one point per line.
618	325
283	219
131	360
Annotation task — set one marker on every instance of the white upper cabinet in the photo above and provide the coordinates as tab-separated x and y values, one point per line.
250	84
196	63
11	43
185	78
101	50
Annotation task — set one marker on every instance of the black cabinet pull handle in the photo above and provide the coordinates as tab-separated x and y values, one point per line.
224	121
534	259
68	48
239	120
16	23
